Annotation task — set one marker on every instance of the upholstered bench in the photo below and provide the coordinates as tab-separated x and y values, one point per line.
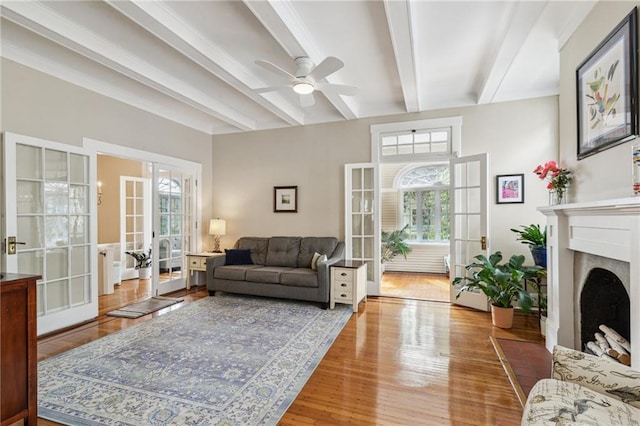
585	389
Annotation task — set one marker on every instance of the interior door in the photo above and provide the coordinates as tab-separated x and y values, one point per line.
50	209
362	230
174	224
135	226
469	222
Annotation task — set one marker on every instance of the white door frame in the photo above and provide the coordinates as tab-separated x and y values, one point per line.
99	147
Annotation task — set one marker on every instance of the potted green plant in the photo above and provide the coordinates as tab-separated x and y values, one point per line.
536	238
502	284
393	244
143	262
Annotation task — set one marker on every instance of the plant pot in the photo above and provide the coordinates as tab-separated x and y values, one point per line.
502	317
543	325
539	255
144	273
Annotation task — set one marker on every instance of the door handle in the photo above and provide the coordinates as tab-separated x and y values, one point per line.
483	242
11	245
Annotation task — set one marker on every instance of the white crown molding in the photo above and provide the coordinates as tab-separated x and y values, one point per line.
22	56
43	21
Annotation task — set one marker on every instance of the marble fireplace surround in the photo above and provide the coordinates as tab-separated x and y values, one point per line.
606	229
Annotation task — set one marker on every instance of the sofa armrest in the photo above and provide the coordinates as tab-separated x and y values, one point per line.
212	264
324	276
598	374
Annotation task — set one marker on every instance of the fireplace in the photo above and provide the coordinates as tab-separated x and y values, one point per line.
603	300
582	238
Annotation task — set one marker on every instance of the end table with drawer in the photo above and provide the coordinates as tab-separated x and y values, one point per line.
198	262
348	283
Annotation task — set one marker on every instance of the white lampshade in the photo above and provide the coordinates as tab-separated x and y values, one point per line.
217	227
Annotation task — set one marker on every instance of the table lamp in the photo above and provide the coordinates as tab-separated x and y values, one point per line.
217	227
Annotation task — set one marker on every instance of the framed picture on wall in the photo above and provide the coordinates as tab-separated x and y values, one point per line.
285	199
510	189
607	91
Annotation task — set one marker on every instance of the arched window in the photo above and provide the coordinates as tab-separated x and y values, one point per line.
425	202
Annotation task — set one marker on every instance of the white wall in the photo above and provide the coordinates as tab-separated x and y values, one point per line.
518	135
605	175
38	105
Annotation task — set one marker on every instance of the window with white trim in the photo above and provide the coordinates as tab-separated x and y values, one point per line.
425	202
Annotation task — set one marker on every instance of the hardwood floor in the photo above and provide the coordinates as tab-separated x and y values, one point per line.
397	362
411	285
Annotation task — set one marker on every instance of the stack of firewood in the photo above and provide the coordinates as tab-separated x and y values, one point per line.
611	345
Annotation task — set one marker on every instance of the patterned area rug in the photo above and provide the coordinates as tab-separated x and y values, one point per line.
221	360
136	310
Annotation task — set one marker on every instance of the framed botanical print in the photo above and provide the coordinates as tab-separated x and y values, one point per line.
607	91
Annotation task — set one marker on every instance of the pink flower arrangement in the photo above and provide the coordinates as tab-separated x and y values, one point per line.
558	178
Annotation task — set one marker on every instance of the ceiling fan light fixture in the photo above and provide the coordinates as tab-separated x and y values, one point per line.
303	88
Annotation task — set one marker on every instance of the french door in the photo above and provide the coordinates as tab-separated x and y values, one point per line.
135	221
50	210
469	221
362	229
173	221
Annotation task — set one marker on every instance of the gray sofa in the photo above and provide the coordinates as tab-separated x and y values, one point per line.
278	267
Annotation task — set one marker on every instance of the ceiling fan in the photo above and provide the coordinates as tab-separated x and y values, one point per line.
307	78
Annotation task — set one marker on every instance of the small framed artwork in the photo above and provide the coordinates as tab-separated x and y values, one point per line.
510	189
285	199
607	91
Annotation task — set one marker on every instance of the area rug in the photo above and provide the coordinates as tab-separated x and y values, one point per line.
136	310
226	359
524	362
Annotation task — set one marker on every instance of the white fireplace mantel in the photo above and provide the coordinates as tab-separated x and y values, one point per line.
608	228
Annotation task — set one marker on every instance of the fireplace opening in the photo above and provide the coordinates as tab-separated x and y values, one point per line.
603	300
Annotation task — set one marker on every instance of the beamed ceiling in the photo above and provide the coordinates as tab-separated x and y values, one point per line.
193	62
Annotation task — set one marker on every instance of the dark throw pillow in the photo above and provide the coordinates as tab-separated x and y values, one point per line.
238	257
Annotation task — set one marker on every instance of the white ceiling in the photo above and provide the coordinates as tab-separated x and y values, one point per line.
193	62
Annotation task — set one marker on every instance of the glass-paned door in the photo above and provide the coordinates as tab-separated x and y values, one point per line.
135	221
50	210
469	222
361	227
174	226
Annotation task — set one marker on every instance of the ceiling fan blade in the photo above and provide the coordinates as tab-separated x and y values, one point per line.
340	89
307	100
326	67
275	69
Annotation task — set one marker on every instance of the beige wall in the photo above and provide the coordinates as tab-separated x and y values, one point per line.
38	105
246	167
109	171
605	175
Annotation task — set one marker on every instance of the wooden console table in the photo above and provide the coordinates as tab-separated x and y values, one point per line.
18	349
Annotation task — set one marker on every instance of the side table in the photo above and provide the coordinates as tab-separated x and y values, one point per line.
198	262
348	283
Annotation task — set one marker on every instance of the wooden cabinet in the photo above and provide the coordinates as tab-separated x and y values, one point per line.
348	283
18	349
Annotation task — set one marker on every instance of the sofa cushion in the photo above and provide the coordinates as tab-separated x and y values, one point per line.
311	245
266	274
233	272
283	251
238	257
553	402
258	247
299	277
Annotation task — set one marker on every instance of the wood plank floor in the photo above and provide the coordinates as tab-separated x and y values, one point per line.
397	362
411	285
